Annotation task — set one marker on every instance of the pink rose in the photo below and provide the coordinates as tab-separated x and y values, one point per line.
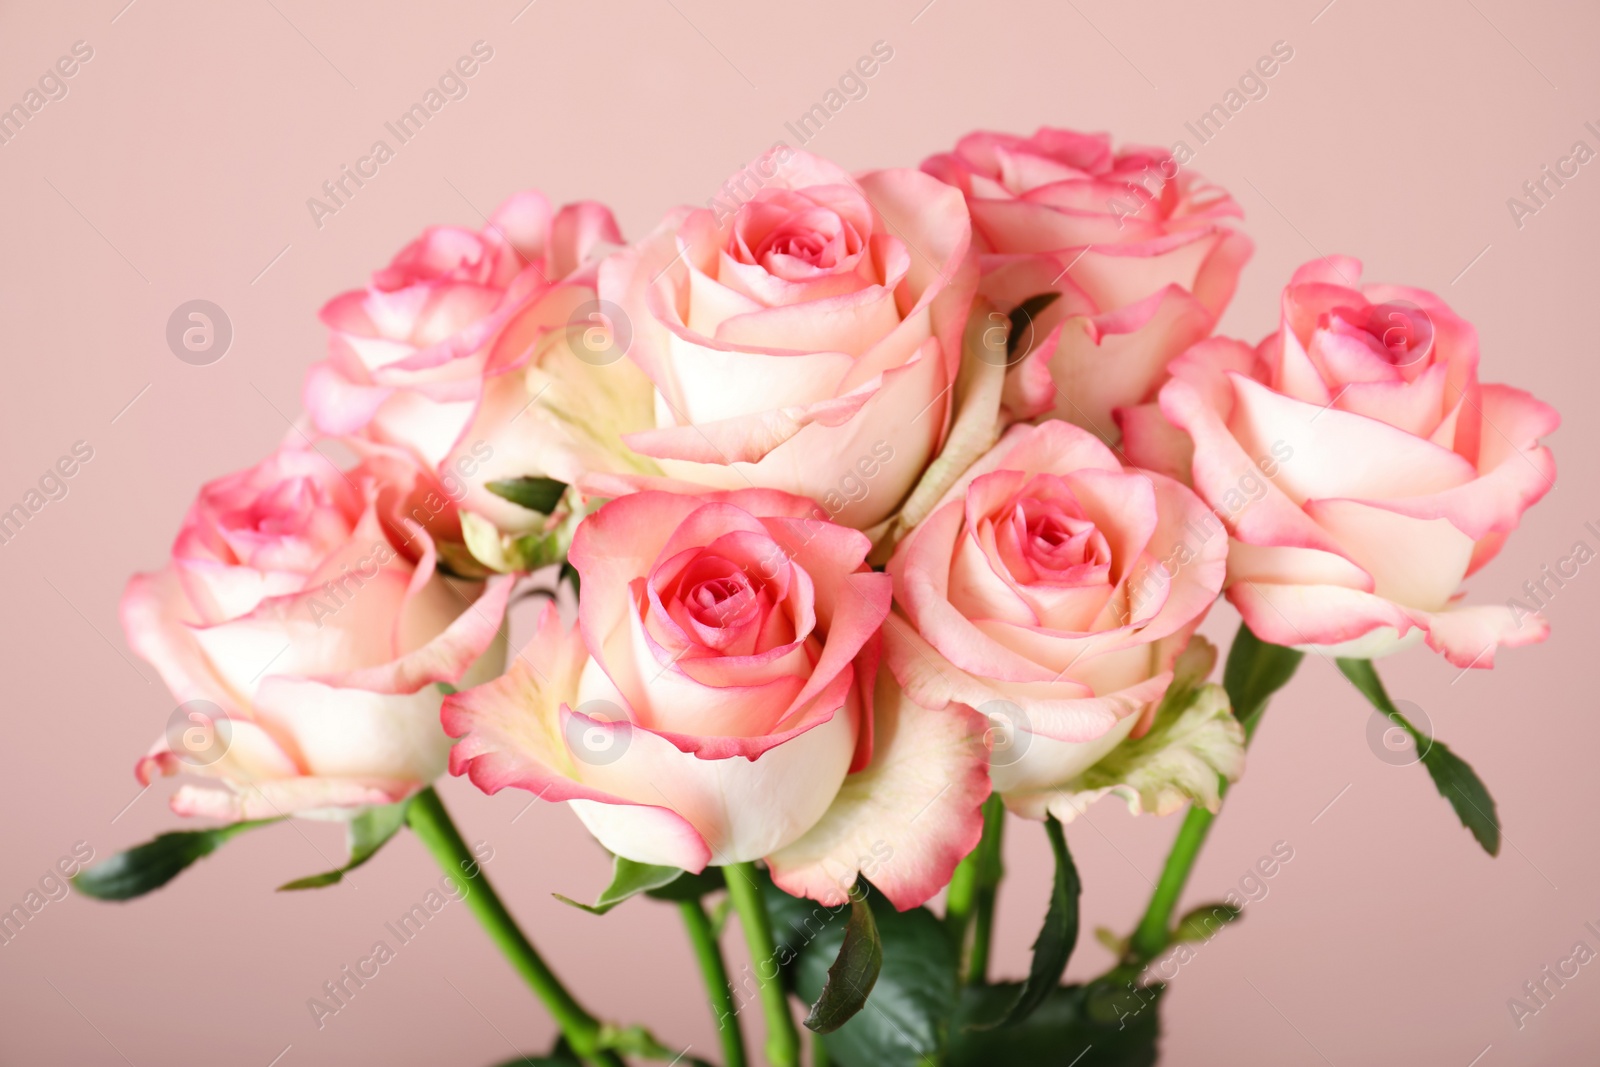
1391	473
458	351
716	704
1131	252
303	626
806	338
1052	590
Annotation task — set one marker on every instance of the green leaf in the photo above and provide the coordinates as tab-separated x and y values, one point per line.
1455	779
456	560
560	1055
907	1016
1202	923
1458	783
536	494
1057	937
628	879
1193	747
512	553
690	886
158	861
1022	317
853	974
1114	942
637	1041
367	832
1255	670
1102	1024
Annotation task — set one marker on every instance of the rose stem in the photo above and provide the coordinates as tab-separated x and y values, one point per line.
1250	679
972	890
433	825
783	1040
715	972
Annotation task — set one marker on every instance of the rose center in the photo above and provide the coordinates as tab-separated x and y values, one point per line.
1052	541
1399	333
795	236
1059	541
717	601
717	594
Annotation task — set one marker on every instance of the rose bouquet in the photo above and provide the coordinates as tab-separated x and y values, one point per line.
867	510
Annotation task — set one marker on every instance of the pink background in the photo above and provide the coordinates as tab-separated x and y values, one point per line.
178	167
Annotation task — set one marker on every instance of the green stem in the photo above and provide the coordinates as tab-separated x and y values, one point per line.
1154	929
1255	670
961	895
434	827
715	972
986	872
744	889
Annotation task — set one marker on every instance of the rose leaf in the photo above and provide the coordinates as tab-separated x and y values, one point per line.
366	833
1057	937
158	861
853	974
1454	777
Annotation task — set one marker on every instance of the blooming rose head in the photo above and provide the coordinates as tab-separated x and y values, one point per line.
716	704
468	350
1361	468
1115	262
1052	590
303	627
803	335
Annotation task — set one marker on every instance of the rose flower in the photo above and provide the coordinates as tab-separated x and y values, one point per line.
717	704
1052	590
1119	261
304	627
805	339
1394	473
486	355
